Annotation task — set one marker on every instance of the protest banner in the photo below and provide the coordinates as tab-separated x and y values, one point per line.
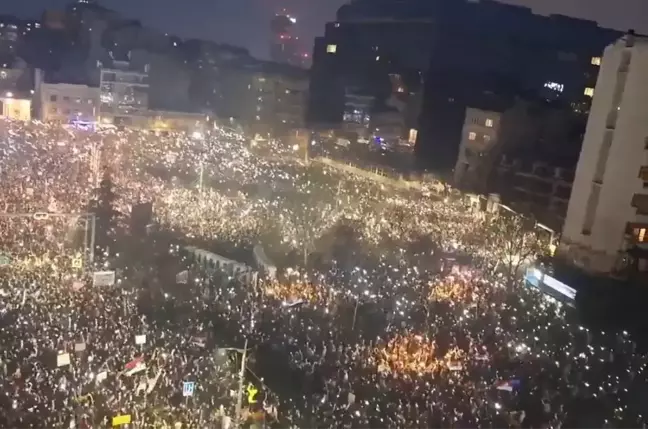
103	278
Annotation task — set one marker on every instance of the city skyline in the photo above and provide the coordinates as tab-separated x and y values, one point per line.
246	22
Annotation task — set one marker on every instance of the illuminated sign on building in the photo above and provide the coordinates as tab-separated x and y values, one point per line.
550	285
558	87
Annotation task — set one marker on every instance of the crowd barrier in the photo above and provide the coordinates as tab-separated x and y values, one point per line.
226	265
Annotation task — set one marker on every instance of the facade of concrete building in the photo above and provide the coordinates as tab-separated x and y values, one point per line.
608	208
480	134
65	103
18	109
270	98
538	189
123	93
487	133
522	151
291	92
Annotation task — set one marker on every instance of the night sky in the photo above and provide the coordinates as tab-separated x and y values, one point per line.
245	22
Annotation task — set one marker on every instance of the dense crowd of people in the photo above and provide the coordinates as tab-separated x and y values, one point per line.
391	309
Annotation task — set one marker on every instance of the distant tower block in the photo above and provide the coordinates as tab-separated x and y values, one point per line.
283	46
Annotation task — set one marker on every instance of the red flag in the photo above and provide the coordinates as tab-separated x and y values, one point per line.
132	364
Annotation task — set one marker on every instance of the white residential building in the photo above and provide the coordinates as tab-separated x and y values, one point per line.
64	103
123	93
608	207
480	133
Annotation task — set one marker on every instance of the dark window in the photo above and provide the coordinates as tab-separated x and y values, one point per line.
640	202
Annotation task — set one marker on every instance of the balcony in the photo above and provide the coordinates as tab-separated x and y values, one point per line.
640	202
643	173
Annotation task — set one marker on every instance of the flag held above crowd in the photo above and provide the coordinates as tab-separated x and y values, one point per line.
135	366
508	385
124	419
182	277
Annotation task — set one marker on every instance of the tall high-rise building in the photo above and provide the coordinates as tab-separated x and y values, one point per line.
284	45
466	52
607	215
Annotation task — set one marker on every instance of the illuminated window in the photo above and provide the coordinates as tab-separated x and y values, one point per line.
472	136
589	92
413	133
400	89
489	123
487	138
378	58
331	49
596	61
640	234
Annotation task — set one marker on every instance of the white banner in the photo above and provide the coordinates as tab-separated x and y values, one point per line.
103	278
79	347
62	359
140	339
182	277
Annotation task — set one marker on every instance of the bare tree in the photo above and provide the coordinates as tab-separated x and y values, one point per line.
312	220
514	240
